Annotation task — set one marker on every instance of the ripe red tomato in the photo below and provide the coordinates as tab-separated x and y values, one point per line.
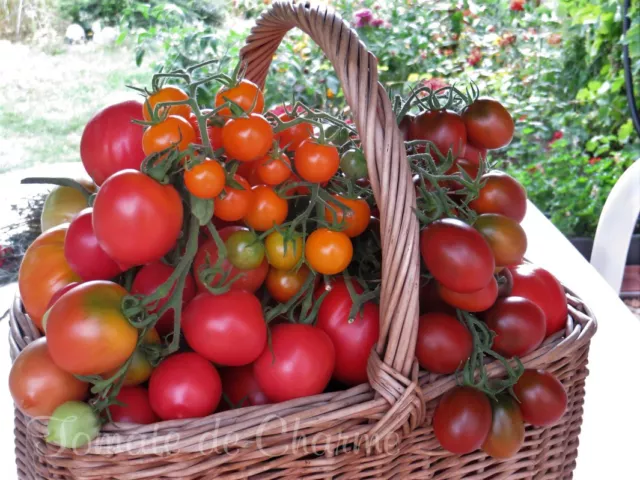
63	204
299	362
543	399
147	281
519	325
205	180
227	329
444	129
83	252
328	252
247	139
169	93
505	236
477	301
457	255
57	295
266	209
291	138
249	280
184	385
315	162
462	420
111	142
233	203
282	285
501	194
489	125
274	171
474	154
135	407
507	428
44	270
86	320
444	344
356	220
543	289
241	388
136	219
246	94
174	131
38	386
352	339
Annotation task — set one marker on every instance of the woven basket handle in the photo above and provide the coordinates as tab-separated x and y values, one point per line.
383	144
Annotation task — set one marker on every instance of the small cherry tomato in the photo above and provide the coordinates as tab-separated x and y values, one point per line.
328	252
134	407
477	301
233	203
266	209
519	325
282	285
240	387
355	216
247	139
245	94
291	138
489	125
543	399
444	344
245	250
174	131
445	129
505	236
354	164
169	93
283	253
205	180
315	162
274	171
474	154
501	194
506	436
140	369
73	425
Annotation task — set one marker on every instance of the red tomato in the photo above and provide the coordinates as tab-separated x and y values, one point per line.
501	194
352	339
83	252
87	332
173	132
505	282
249	280
135	407
298	363
519	325
266	209
184	385
241	388
273	171
247	139
136	219
444	129
356	219
283	285
543	399
227	329
246	94
460	165
543	289
477	301
444	344
315	162
474	154
291	138
111	142
59	293
489	125
169	93
147	281
457	255
233	203
38	386
44	270
507	428
505	236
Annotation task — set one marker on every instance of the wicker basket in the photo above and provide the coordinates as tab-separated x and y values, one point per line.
377	430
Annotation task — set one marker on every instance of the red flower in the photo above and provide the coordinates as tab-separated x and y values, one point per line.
557	135
4	253
517	5
507	39
474	57
594	160
435	83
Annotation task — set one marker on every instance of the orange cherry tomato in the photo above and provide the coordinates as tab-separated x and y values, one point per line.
44	270
167	94
282	285
87	332
245	94
140	368
292	137
274	171
247	139
266	209
328	252
356	220
283	254
315	162
174	131
232	204
205	180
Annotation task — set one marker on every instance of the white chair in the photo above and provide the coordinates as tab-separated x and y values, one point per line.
615	227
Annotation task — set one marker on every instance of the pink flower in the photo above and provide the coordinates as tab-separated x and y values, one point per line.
377	22
557	135
517	5
435	83
277	110
474	57
363	17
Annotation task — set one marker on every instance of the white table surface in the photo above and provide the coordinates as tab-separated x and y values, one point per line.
608	443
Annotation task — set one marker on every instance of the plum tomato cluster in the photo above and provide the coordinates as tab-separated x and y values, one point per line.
229	256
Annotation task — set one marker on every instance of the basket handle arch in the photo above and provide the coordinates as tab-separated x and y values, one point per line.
389	172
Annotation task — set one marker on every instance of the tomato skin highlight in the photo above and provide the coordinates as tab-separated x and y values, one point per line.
543	399
444	344
299	363
241	388
507	428
136	408
328	252
457	255
227	329
477	301
489	125
136	219
501	194
184	385
38	386
111	142
505	236
462	420
247	139
519	325
315	162
87	332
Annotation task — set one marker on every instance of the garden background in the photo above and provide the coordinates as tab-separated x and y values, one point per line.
557	65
